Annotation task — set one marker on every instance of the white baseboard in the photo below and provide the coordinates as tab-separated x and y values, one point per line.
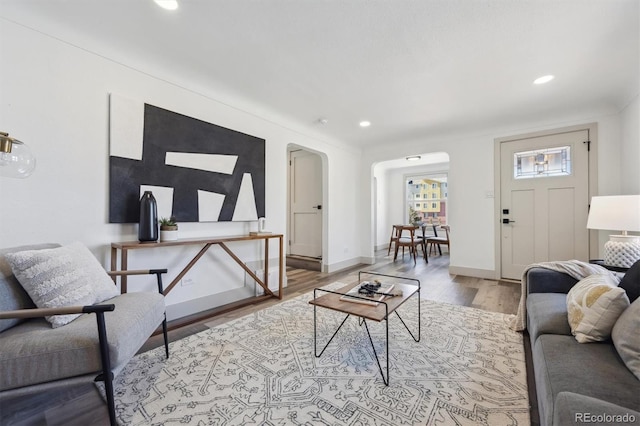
335	267
487	274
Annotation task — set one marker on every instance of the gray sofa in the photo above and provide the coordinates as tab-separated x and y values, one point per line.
95	346
576	382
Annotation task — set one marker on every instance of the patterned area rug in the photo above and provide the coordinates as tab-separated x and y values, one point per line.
468	368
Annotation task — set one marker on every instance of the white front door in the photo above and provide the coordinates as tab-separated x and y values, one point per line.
305	230
544	200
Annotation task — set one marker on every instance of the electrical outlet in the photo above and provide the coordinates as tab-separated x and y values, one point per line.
187	281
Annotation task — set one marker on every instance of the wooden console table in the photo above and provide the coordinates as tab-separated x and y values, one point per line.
124	248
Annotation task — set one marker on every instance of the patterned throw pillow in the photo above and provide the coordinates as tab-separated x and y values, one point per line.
63	276
594	305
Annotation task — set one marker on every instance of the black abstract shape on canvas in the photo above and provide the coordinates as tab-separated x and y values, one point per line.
167	131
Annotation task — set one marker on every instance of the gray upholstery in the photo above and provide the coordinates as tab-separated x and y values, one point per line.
576	409
572	377
550	313
626	337
542	280
63	276
36	353
12	295
34	356
592	369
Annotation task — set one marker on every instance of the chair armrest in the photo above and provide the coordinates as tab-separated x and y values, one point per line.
137	272
45	312
157	272
542	280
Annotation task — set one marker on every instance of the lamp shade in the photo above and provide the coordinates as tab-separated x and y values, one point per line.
620	213
617	212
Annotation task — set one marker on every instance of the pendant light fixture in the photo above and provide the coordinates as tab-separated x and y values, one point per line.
16	160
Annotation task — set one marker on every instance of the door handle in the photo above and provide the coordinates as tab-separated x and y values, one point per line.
508	221
319	207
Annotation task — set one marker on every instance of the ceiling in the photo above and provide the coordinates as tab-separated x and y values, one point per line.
415	69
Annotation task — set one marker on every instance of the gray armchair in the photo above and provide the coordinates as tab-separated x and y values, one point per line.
35	357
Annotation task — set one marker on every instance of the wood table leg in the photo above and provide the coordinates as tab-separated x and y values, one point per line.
281	269
114	263
266	262
123	267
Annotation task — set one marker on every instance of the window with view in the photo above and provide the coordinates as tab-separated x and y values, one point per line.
432	187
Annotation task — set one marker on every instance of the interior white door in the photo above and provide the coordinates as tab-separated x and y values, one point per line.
544	213
305	230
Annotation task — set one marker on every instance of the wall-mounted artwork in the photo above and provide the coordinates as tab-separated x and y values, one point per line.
197	171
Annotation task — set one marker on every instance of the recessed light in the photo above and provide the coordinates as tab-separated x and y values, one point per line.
413	158
167	4
544	79
365	123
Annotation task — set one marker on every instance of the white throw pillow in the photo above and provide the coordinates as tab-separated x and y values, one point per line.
594	305
63	276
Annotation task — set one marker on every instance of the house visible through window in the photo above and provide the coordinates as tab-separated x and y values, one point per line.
432	187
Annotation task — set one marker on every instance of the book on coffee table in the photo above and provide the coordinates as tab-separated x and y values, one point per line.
353	295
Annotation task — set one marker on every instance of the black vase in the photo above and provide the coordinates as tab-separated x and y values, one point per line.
148	226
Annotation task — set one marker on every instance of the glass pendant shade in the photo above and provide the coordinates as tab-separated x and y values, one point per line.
16	159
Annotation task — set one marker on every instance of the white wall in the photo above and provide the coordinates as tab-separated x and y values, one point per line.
54	96
630	152
471	212
391	202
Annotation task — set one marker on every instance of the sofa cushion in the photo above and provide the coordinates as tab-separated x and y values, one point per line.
575	409
63	276
626	337
547	314
631	282
594	305
12	295
543	280
561	364
34	353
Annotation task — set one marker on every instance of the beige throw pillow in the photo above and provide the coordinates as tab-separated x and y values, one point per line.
63	276
594	305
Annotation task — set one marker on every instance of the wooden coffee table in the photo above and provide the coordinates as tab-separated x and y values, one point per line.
380	312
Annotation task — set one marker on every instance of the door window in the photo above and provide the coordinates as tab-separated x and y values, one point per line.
548	162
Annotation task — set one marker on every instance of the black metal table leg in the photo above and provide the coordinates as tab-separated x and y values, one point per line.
315	331
385	380
362	320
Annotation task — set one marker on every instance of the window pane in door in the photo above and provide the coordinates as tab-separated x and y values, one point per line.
549	162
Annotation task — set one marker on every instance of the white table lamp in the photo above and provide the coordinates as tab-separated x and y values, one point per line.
618	212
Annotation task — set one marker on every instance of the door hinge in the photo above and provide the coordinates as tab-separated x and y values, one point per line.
588	145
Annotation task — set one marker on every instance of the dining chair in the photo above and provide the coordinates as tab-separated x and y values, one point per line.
393	237
432	242
403	240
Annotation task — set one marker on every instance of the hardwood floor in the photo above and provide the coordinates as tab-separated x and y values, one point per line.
82	405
